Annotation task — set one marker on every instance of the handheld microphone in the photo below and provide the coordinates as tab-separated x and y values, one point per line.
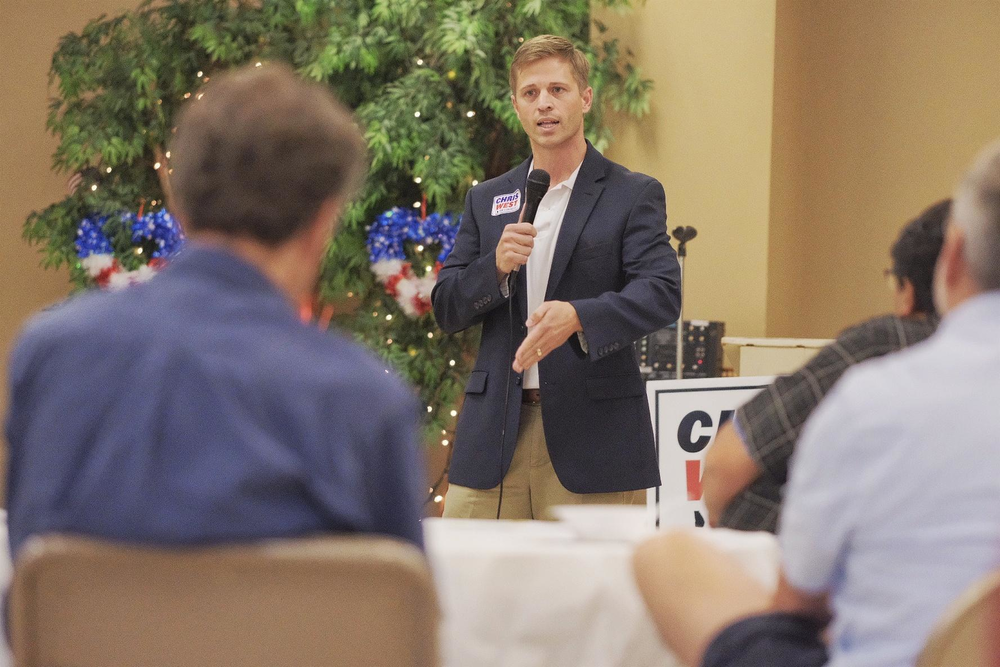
538	185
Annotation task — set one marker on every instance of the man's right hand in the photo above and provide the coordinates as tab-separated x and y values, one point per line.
514	247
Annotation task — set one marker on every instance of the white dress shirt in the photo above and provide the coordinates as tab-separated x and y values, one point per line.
548	222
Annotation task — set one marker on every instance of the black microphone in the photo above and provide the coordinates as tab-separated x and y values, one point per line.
538	185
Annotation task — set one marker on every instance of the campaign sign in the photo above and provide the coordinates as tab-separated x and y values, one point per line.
686	416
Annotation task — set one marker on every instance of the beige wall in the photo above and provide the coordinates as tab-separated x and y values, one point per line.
879	107
798	136
29	31
708	140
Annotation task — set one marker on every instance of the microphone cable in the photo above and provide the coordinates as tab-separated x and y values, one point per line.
506	394
534	191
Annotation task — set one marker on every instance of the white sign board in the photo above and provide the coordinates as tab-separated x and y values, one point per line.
686	416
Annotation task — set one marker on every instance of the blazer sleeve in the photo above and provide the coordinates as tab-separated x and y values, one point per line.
467	287
651	298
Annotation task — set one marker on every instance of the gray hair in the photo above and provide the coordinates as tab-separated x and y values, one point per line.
976	210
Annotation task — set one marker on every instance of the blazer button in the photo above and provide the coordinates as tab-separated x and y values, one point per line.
517	380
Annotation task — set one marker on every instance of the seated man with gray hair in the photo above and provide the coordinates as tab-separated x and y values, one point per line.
198	408
893	505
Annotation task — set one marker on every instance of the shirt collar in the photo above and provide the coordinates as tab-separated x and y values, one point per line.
568	183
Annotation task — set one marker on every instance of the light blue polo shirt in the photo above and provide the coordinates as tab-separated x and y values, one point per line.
893	505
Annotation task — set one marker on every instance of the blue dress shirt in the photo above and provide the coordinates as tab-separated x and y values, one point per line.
893	505
197	408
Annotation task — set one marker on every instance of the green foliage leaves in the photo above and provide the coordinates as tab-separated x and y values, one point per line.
427	79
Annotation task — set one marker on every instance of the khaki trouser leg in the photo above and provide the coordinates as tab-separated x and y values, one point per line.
461	502
531	486
546	489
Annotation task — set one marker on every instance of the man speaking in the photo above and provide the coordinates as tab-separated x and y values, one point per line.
555	409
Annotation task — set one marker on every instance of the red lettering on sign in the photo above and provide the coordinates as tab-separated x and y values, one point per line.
693	479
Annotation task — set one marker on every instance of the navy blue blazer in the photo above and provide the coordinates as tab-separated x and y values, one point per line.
614	263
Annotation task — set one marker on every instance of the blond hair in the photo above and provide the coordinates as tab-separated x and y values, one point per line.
550	46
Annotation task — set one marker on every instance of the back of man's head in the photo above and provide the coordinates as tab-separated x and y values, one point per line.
977	213
915	253
258	155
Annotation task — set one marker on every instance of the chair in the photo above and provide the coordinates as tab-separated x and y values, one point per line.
968	634
327	602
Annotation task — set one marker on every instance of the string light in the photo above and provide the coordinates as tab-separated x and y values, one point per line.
444	432
430	409
93	188
388	341
260	64
388	318
374	313
430	334
350	295
454	413
170	171
416	204
168	155
200	74
416	114
420	248
420	61
475	182
109	170
418	180
156	166
199	96
470	113
451	363
428	268
187	95
152	203
438	499
444	443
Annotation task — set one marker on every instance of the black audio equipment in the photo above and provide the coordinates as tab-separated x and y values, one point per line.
657	352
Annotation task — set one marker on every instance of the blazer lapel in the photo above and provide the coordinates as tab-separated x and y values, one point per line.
517	180
586	191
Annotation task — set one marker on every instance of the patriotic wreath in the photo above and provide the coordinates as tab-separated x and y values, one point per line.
391	236
155	237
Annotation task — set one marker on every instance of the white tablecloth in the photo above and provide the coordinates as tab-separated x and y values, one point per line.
531	594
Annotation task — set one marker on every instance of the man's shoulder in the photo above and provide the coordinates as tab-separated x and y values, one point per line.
888	331
342	364
78	317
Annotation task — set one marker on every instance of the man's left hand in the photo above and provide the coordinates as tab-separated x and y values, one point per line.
550	325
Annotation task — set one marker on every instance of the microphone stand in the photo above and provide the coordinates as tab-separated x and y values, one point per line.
683	235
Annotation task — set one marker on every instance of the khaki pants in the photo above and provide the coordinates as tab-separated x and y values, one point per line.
531	486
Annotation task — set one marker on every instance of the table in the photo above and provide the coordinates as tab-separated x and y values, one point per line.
532	594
